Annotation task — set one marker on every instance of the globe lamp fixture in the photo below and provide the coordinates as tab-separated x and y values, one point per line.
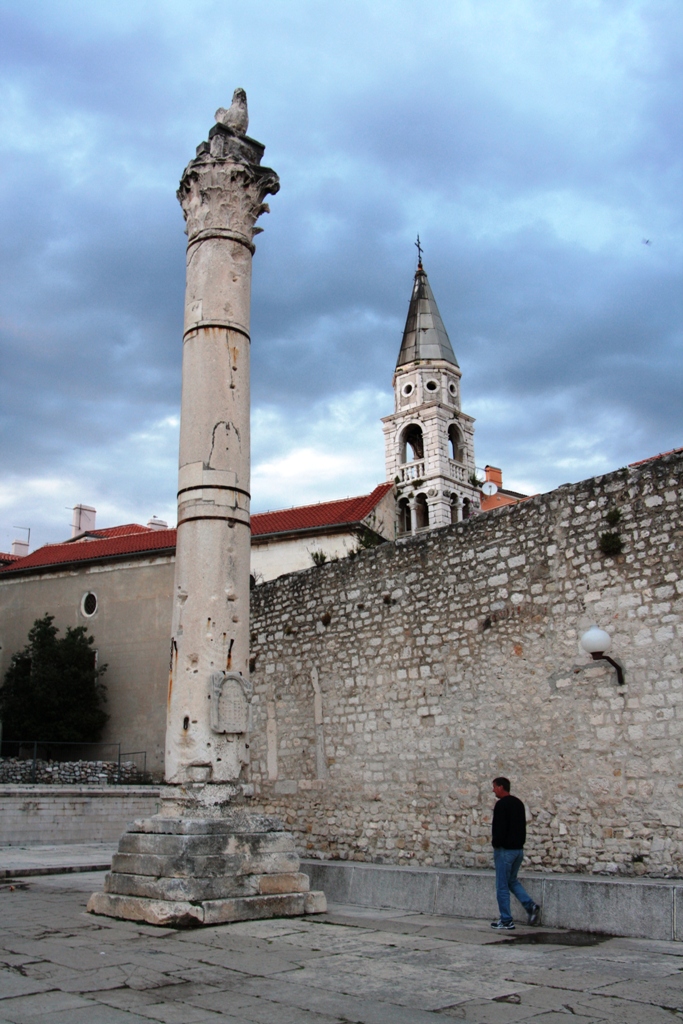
596	641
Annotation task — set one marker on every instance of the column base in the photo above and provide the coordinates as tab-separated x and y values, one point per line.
185	872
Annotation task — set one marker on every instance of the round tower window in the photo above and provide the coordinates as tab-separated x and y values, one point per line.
452	388
431	385
89	604
407	389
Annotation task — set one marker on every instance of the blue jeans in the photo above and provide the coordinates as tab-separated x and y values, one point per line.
508	863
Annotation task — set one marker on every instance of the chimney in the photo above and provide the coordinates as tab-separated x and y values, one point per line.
83	520
156	524
494	474
20	547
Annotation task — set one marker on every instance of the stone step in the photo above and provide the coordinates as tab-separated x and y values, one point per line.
217	845
232	822
246	862
194	889
183	914
177	888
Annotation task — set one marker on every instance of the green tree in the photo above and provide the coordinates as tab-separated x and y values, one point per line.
52	690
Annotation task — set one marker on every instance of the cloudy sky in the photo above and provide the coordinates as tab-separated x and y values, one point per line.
535	146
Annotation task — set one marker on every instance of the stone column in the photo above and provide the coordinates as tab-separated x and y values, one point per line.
221	193
205	858
412	505
439	508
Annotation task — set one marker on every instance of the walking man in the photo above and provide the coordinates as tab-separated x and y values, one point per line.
508	833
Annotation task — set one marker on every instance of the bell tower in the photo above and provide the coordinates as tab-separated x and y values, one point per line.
429	441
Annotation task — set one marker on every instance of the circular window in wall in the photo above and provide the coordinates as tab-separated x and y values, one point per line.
407	389
89	604
431	385
452	388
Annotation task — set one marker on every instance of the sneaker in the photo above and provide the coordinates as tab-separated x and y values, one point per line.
503	926
534	914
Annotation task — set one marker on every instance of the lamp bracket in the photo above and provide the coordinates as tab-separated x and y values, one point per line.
598	656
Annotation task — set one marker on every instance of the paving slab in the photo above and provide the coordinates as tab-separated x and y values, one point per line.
20	1008
59	965
14	983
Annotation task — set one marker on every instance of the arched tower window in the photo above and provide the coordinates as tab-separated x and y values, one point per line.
412	445
466	508
421	512
456	443
404	523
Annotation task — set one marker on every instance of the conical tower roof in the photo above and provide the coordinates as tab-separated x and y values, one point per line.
425	336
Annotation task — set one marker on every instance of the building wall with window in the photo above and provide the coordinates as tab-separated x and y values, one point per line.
131	624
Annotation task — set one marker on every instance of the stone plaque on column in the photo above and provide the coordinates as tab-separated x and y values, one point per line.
230	699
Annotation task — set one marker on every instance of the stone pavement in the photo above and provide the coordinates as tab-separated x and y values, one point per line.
61	966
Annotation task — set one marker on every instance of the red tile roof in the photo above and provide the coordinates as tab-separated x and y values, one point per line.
95	550
325	513
111	531
5	558
119	541
653	458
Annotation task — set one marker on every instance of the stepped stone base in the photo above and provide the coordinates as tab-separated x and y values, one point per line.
183	872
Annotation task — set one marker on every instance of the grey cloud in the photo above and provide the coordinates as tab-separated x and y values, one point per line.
92	261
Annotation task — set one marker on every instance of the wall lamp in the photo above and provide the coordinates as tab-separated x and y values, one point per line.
596	641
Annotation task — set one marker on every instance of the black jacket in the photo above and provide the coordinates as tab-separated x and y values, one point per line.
508	828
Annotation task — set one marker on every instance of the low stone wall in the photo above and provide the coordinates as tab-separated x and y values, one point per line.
74	814
638	908
65	773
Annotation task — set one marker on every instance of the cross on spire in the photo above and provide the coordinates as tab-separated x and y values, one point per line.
419	251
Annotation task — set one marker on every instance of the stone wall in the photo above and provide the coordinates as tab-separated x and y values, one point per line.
390	689
74	814
78	773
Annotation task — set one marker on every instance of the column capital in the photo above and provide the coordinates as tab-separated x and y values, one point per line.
222	189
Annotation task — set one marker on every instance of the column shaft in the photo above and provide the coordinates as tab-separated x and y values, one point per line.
222	194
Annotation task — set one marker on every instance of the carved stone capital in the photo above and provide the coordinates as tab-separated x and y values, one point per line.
223	188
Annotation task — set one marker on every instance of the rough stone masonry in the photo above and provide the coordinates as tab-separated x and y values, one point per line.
390	689
204	859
